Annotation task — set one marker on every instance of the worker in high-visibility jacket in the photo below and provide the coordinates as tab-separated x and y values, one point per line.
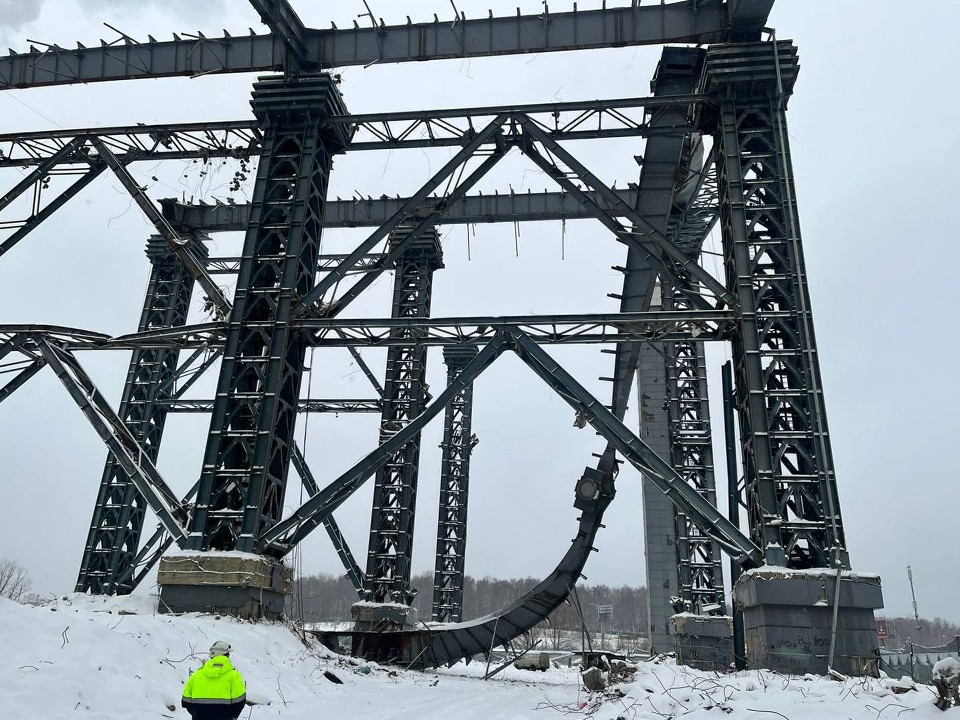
216	691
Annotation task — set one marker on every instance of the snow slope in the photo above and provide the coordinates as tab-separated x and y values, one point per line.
113	658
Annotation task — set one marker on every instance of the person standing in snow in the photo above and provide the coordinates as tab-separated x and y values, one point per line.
216	691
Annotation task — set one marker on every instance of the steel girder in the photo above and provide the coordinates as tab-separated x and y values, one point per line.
457	446
405	393
338	405
336	332
120	508
793	507
692	21
251	432
373	212
242	139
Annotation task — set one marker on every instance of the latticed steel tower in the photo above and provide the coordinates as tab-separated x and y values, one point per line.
254	415
457	446
404	395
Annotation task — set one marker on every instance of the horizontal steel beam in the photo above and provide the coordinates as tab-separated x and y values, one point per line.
310	406
384	332
690	21
576	120
373	212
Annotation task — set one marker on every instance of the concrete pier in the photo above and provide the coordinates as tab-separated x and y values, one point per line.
788	618
230	583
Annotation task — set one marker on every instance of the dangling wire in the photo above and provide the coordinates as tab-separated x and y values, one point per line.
563	239
297	554
516	237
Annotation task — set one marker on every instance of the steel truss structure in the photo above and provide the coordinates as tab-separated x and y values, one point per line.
289	298
458	443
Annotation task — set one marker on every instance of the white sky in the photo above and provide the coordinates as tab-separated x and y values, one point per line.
874	141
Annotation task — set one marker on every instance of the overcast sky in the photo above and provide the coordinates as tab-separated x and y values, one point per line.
873	127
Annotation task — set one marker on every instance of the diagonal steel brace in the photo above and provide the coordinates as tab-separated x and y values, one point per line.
125	448
660	472
285	535
407	210
649	232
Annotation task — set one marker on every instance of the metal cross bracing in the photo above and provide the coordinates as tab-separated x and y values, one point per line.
457	446
405	392
761	303
242	139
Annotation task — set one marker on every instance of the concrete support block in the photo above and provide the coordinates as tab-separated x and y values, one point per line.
228	583
384	617
788	620
704	642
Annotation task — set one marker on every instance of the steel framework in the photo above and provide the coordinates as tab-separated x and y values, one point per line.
458	443
404	394
734	92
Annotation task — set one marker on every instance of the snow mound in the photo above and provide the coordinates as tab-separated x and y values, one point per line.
946	668
97	658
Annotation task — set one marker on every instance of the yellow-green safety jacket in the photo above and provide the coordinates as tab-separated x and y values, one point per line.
215	692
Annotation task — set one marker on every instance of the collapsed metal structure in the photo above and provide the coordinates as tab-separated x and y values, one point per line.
716	153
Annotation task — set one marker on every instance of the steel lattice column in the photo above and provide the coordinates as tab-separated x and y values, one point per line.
791	492
698	557
118	516
457	446
404	395
251	431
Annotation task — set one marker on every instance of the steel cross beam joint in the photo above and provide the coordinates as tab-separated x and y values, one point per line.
282	19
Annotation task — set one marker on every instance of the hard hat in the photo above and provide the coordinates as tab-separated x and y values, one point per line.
219	648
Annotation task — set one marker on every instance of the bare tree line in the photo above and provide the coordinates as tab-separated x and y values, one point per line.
928	633
14	580
327	598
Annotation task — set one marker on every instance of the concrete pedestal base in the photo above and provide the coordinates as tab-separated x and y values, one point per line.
384	617
245	586
704	642
788	618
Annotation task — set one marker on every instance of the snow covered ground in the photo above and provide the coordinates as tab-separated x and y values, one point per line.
113	658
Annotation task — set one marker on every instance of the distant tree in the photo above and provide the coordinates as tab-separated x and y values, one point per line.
14	580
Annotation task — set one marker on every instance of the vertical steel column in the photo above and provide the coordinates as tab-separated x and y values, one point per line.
404	395
118	515
457	446
698	557
791	492
250	442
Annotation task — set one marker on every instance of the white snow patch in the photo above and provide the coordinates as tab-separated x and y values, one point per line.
99	658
